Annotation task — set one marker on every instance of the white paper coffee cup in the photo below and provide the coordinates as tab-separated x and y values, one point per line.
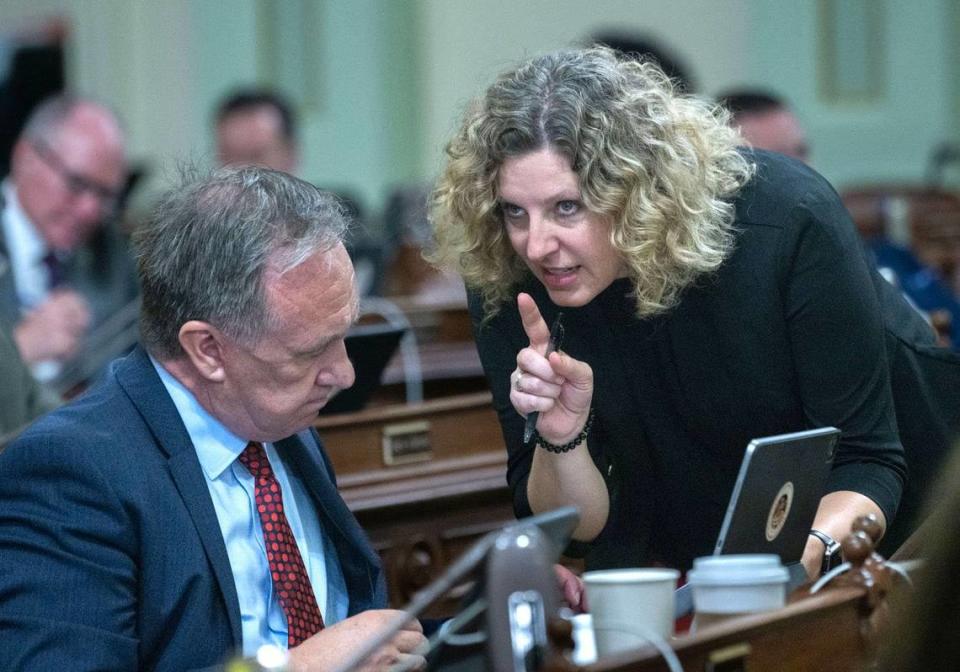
629	606
738	584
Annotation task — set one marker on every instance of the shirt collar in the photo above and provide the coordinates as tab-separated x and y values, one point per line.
23	239
217	447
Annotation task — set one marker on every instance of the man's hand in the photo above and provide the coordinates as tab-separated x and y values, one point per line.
571	587
331	647
54	329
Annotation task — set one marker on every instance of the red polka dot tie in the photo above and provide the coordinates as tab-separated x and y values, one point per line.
289	575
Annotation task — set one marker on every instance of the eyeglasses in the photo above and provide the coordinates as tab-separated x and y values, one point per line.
77	184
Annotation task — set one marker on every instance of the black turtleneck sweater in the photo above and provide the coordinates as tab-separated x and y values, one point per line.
785	336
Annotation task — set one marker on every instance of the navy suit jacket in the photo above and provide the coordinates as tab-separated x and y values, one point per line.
111	556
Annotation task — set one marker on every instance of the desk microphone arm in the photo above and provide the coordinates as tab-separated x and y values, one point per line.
522	598
521	592
423	599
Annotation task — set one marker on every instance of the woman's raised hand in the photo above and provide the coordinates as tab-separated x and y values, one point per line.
559	386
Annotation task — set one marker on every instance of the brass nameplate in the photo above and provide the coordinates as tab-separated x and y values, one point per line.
407	442
731	658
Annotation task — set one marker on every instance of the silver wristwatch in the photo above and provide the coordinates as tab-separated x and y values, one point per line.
831	552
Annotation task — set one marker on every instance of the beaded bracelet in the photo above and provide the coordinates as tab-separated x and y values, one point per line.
580	438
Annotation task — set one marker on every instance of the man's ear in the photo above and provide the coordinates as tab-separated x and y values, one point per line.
203	343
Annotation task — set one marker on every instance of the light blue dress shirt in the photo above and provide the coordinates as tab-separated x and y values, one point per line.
231	488
31	277
25	251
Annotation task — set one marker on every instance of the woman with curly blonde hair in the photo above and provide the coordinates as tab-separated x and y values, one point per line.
710	295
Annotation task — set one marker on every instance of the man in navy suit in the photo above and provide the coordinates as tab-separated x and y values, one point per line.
138	528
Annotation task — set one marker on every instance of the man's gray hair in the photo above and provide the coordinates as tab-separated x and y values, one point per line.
49	116
203	252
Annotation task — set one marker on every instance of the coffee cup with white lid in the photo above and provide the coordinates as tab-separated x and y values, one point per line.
729	585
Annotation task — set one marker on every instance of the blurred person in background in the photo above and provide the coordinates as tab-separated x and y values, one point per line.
62	270
21	398
257	127
765	121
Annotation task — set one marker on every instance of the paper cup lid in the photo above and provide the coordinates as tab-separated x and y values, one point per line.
631	575
737	570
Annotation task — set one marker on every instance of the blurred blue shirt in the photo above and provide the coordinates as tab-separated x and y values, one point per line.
919	283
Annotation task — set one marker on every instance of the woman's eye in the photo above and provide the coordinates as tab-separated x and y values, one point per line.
512	211
567	208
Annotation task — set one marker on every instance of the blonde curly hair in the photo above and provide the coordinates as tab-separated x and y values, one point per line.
661	167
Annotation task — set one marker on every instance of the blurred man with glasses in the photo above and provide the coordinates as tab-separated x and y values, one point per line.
68	169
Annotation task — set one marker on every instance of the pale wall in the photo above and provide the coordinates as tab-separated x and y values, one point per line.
467	42
890	138
396	73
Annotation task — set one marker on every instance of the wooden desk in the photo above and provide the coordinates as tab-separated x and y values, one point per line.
355	441
421	515
833	630
823	632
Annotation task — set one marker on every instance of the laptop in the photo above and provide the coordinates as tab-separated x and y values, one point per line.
370	348
774	500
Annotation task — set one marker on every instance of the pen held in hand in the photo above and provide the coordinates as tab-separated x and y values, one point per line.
556	336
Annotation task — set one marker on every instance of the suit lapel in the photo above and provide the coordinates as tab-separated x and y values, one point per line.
9	305
143	386
304	455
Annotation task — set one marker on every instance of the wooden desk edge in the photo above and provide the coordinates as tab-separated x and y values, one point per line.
406	411
742	628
